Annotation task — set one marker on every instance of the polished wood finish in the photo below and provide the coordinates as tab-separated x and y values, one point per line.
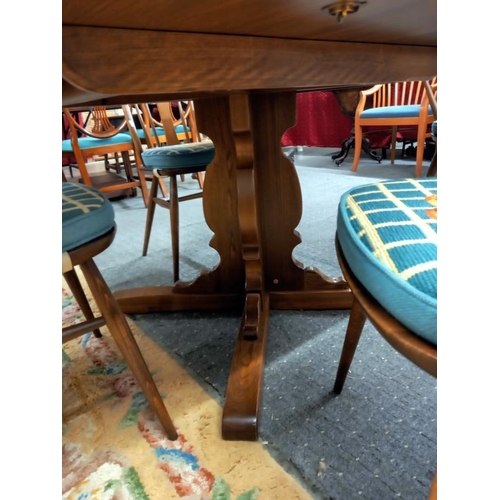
112	316
242	63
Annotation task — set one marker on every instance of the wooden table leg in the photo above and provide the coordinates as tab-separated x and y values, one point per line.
252	203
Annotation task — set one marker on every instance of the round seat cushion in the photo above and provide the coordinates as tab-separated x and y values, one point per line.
191	154
388	235
86	215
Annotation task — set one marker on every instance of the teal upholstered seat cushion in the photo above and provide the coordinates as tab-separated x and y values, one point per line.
410	110
388	234
93	142
180	155
86	215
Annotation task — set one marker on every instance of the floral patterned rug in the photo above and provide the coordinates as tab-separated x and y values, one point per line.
114	449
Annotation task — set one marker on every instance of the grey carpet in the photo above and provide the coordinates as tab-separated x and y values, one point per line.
377	440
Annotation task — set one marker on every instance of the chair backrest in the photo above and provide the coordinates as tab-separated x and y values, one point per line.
399	94
167	128
97	122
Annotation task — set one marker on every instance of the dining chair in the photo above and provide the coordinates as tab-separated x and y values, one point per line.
394	105
432	95
168	162
98	137
88	229
386	245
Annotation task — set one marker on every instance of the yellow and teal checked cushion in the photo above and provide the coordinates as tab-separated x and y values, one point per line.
191	154
86	215
388	234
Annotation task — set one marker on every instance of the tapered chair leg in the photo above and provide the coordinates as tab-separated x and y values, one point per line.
358	140
355	326
174	225
120	330
76	289
420	150
150	213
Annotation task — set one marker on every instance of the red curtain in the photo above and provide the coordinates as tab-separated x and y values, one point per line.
320	122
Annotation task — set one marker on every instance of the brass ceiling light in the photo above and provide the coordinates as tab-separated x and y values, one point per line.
342	8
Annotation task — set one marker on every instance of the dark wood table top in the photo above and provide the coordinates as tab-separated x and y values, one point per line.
123	50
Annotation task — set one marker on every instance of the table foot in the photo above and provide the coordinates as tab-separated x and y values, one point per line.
241	409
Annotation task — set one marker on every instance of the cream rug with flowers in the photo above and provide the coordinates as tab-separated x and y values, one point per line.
113	447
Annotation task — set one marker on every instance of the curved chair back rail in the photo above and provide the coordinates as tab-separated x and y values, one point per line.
88	229
100	137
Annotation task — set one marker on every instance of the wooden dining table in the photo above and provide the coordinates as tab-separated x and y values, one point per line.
242	62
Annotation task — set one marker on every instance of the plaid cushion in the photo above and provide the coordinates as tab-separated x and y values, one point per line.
86	215
388	234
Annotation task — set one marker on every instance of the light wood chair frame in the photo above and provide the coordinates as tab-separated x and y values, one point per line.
393	94
103	129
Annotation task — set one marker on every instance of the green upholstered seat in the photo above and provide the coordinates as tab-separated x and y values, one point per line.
86	215
388	235
179	155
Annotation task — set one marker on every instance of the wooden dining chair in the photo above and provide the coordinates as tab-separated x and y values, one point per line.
88	229
170	161
395	105
386	245
99	137
432	96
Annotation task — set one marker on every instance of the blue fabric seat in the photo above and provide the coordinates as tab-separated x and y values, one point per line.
388	235
179	155
86	215
407	111
93	142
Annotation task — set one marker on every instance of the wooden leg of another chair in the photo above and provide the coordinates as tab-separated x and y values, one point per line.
75	286
421	133
163	188
358	140
150	213
200	178
355	326
174	225
120	330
